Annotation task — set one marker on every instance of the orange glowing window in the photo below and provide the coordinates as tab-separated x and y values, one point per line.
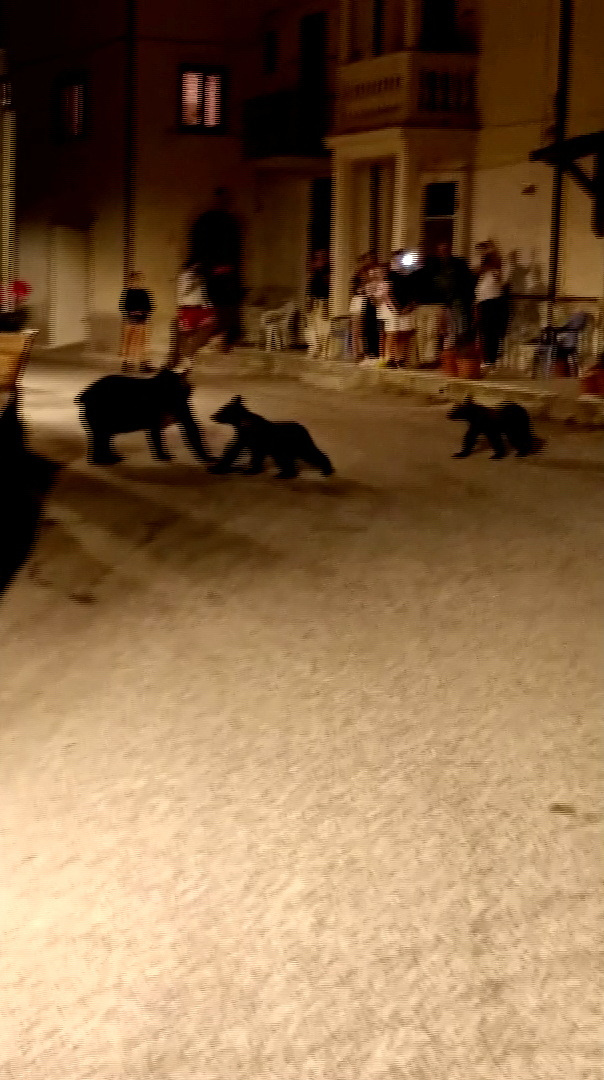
201	98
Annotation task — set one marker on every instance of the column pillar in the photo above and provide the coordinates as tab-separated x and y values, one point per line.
413	23
340	242
400	206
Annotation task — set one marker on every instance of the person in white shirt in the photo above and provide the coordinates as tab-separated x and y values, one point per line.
196	317
490	304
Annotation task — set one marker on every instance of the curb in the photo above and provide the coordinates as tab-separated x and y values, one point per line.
428	387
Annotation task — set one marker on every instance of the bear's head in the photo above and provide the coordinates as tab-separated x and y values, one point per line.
232	413
174	384
463	411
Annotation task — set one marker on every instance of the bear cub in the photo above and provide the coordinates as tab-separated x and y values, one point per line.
285	443
120	403
509	422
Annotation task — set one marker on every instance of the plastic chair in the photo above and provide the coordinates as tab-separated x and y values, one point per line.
277	327
560	343
568	338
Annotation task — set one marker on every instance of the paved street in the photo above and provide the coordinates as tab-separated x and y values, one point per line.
303	780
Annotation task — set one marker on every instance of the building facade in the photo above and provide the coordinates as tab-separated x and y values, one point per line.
354	124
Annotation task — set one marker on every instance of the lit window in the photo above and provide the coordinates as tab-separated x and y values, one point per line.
202	98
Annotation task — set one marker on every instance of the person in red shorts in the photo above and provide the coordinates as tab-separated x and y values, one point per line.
196	317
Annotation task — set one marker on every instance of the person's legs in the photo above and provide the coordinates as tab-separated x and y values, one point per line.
126	346
372	334
139	343
488	322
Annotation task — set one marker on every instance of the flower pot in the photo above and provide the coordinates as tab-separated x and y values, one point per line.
593	382
561	369
13	322
448	362
469	367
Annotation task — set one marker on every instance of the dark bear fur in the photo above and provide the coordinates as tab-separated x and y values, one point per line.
509	422
285	443
120	403
25	480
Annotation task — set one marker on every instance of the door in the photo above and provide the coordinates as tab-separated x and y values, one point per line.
69	286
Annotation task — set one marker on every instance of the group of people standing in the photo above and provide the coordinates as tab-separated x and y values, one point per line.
209	293
469	305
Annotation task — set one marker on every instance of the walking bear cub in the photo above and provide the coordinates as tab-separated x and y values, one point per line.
285	443
509	421
120	403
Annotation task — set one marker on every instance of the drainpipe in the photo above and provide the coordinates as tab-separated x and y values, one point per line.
7	188
564	42
129	223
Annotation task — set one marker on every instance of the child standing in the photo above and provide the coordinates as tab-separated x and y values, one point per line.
136	307
387	314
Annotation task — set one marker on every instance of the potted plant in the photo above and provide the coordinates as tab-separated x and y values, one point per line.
469	360
14	312
449	362
592	381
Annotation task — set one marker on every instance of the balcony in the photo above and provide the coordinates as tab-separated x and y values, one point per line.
407	89
287	124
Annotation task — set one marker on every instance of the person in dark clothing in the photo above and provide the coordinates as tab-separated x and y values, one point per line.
446	279
136	307
371	329
217	247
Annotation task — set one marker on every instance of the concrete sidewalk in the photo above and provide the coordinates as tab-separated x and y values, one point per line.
545	399
551	399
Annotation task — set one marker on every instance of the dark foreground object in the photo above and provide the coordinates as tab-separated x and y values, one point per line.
285	443
121	403
510	423
25	480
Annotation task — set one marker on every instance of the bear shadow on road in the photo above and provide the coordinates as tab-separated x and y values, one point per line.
95	527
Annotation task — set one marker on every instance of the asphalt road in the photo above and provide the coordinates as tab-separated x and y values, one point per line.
303	780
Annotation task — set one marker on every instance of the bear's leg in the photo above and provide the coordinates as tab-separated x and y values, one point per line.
228	459
193	435
102	450
256	465
496	441
469	442
156	442
288	468
320	461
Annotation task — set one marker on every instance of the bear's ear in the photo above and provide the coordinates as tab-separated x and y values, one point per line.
468	400
238	400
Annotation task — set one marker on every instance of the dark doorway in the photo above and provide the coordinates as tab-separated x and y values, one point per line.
320	214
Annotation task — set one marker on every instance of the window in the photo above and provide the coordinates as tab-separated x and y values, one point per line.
202	98
271	52
440	206
377	42
71	108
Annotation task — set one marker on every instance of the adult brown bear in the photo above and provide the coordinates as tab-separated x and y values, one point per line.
121	403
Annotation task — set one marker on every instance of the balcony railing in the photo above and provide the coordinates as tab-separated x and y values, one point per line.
287	124
412	88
